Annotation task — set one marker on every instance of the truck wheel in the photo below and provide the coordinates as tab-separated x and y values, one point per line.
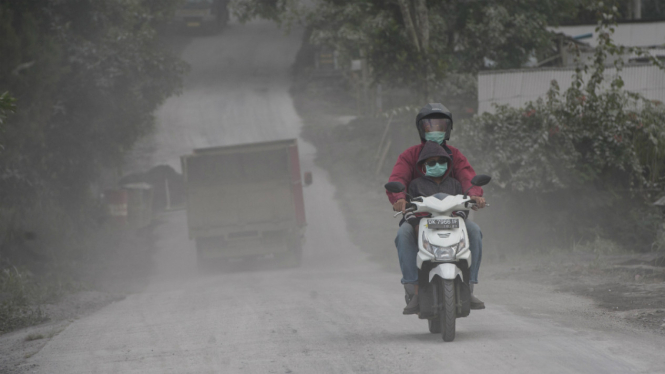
292	258
448	313
207	265
200	264
203	265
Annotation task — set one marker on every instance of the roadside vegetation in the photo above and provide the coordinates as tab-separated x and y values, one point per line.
20	296
562	167
584	163
574	174
79	82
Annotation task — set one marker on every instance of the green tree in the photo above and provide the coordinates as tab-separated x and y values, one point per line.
7	105
588	160
417	43
625	11
87	76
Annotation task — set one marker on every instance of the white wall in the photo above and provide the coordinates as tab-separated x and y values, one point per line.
517	87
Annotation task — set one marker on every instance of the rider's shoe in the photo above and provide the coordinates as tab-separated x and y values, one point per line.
412	306
476	303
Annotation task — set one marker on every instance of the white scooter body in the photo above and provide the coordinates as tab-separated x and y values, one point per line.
453	241
443	254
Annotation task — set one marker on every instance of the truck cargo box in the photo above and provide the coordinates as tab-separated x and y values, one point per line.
245	200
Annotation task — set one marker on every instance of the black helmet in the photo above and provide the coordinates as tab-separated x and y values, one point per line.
434	110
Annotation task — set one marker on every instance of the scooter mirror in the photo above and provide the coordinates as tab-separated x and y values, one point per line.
394	187
481	180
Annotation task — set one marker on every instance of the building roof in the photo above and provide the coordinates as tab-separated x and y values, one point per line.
642	34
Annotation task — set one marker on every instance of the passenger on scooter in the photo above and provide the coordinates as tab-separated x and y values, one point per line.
434	123
435	180
434	167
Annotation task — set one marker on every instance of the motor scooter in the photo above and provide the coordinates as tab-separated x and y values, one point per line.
444	258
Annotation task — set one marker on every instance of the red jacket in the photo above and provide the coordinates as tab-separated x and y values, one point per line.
405	171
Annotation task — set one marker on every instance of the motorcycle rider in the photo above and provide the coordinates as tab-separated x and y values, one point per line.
434	123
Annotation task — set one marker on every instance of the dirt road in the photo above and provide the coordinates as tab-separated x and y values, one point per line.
339	313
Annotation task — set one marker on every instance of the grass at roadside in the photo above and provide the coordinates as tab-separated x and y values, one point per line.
631	285
20	297
116	262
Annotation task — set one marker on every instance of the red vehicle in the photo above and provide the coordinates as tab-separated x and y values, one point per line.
246	201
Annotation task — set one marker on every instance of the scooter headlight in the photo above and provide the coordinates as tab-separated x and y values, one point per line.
441	253
444	253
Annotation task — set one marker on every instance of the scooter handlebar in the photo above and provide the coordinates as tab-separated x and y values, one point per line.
412	209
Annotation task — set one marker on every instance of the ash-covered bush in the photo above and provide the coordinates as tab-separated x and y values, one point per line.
613	140
579	164
19	298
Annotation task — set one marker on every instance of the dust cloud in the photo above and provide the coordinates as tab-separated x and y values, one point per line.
336	305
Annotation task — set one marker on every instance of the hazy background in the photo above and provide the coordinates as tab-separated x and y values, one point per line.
100	94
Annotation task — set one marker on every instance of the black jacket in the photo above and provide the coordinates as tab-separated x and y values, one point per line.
426	186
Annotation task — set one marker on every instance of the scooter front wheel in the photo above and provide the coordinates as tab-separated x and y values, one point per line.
447	315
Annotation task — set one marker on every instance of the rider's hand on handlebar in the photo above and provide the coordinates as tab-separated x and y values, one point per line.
411	218
480	202
399	205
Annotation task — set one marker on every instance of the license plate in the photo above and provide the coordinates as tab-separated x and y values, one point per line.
193	24
443	223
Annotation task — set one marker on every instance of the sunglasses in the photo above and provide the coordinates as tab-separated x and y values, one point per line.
440	161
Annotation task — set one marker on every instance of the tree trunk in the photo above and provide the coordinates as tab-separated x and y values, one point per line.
417	28
408	23
422	22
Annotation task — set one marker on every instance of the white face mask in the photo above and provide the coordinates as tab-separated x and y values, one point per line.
437	170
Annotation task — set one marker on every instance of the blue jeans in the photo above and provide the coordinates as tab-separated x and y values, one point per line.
407	250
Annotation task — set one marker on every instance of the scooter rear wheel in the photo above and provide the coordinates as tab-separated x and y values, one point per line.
447	315
434	325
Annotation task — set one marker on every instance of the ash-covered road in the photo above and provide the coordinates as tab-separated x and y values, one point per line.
339	313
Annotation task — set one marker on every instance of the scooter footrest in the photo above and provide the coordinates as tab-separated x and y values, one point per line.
427	316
